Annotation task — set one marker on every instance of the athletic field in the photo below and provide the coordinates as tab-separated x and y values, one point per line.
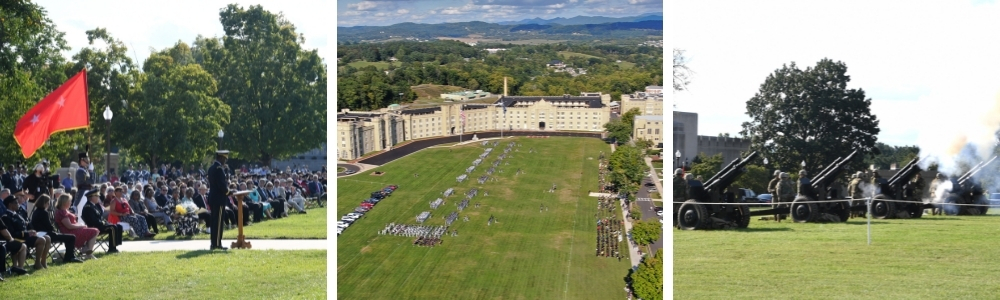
934	257
526	255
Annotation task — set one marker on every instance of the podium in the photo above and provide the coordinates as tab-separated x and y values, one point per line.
240	242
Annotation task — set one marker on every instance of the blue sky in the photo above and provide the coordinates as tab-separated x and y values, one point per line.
931	68
388	12
142	25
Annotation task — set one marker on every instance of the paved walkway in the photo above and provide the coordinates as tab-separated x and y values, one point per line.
633	249
147	246
655	177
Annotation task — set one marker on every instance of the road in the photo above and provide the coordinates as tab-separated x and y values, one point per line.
349	167
646	206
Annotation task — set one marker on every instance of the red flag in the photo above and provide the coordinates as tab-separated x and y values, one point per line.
66	108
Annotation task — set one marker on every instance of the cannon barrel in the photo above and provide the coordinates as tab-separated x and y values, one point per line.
905	173
971	170
723	171
828	168
830	175
975	170
726	177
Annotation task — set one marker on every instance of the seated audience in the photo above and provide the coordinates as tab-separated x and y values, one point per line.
41	222
68	223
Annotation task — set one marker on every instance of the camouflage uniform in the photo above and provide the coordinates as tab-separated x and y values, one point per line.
804	183
772	187
785	189
680	189
855	190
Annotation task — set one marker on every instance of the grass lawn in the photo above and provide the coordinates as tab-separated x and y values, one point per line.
247	274
625	65
527	255
341	169
569	54
380	65
311	225
935	257
658	165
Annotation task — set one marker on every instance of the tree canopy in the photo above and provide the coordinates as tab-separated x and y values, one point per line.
810	115
627	168
646	233
647	281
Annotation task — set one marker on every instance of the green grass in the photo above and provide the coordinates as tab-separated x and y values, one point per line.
625	65
341	169
380	65
527	255
245	274
311	225
569	54
935	257
533	42
658	165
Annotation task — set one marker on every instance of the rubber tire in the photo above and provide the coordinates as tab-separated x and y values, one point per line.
742	216
692	216
803	211
916	210
981	200
883	209
843	211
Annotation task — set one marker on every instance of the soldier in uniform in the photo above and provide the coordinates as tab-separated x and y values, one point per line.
772	187
218	196
785	193
680	187
933	192
804	184
84	179
855	191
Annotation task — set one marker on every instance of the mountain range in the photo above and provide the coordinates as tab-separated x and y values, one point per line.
582	20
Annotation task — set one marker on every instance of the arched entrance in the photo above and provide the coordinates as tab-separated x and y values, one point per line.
453	131
541	125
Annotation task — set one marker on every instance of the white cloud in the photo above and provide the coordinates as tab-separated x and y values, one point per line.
381	14
363	5
402	11
451	11
639	1
557	5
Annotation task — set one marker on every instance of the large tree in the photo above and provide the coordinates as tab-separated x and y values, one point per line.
176	115
30	67
627	168
810	115
647	281
646	233
276	89
682	74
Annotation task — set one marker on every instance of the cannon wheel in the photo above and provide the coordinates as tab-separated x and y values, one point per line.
916	210
692	216
842	210
883	209
804	211
947	208
981	200
742	216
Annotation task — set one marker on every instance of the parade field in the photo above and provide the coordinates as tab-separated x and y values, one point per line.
526	254
246	274
934	257
311	225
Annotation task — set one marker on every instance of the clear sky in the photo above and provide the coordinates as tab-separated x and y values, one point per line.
388	12
142	25
932	69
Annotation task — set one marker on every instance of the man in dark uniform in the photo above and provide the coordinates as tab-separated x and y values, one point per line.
92	212
84	180
218	196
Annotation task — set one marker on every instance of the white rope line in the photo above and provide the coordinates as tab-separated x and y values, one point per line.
832	201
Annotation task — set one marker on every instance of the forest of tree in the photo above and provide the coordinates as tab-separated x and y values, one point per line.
444	63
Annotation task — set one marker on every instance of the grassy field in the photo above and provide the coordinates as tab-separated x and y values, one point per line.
380	65
250	274
434	91
568	54
934	257
311	225
625	65
526	255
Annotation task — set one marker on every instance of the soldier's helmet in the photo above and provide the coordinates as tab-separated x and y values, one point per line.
855	175
688	176
678	171
777	172
859	174
802	172
784	175
940	176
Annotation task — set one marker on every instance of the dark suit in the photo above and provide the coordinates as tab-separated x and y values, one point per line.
18	227
92	217
199	201
84	182
40	222
218	197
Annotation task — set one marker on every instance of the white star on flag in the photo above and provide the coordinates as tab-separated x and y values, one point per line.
34	119
61	102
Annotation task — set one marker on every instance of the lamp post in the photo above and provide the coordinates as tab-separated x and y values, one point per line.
677	159
221	134
107	117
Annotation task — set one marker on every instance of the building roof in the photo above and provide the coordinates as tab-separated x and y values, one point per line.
591	102
420	111
655	87
649	118
555	62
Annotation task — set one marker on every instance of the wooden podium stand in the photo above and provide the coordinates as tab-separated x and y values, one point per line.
240	243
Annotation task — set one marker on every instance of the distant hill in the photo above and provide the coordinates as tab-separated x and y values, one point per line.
581	20
493	31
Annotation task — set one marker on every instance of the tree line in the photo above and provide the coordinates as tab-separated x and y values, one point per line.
256	83
458	64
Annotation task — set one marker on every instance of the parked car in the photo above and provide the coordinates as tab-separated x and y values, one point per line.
392	186
342	224
659	210
348	221
348	217
355	215
764	198
995	200
378	195
349	172
749	196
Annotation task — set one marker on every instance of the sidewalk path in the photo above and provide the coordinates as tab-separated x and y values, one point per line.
656	179
633	249
148	246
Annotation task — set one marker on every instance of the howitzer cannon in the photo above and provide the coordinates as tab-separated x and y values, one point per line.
899	187
695	213
964	190
805	208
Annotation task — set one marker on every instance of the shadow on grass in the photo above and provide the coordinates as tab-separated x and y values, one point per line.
197	253
752	229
